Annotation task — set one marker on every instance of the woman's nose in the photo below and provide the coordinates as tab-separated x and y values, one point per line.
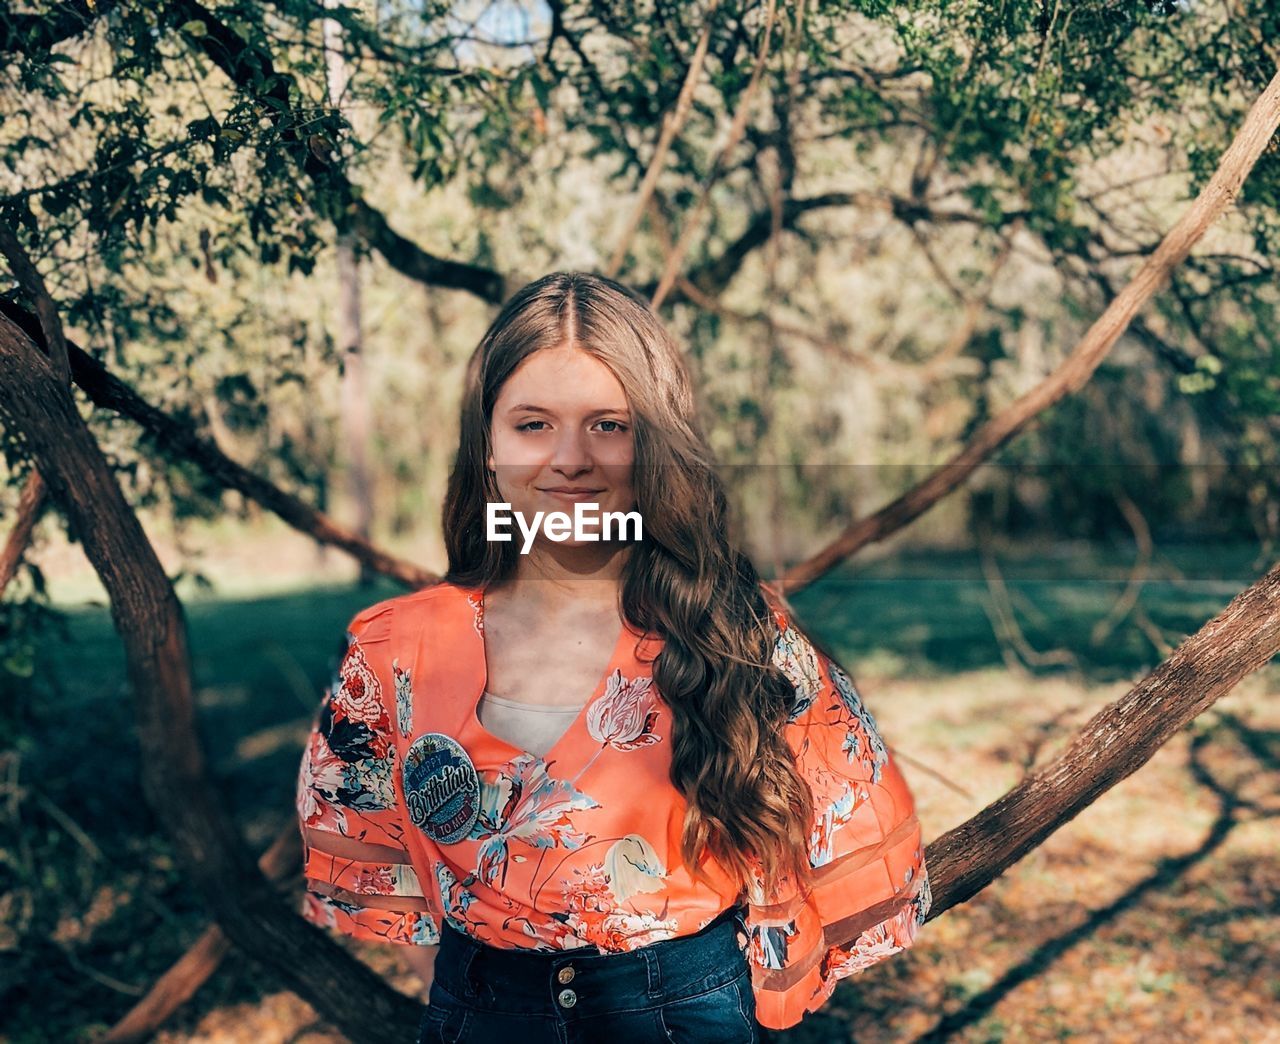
570	453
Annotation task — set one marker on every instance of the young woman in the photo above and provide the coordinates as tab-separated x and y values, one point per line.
605	789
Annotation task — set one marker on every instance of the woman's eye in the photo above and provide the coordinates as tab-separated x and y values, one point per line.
528	425
617	426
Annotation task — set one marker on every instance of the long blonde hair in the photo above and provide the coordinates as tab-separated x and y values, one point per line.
686	580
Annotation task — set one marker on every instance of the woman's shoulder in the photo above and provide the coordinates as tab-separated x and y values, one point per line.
374	622
777	604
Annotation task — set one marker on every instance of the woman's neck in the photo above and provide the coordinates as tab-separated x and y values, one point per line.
556	577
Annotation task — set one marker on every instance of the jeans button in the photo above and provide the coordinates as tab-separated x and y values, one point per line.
568	998
565	975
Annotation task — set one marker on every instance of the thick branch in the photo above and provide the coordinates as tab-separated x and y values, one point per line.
32	501
409	259
251	68
39	409
33	285
30	504
1111	747
714	276
179	984
1076	370
181	441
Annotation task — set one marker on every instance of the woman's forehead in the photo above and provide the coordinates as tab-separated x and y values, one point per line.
562	379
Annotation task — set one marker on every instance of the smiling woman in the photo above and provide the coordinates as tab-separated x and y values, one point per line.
681	823
562	430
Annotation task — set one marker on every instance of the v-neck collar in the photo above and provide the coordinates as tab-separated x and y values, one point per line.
574	745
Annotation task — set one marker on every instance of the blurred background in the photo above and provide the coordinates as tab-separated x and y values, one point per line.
284	226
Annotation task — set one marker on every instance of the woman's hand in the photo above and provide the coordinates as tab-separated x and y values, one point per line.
422	959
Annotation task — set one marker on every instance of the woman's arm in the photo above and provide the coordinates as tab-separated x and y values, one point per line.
422	959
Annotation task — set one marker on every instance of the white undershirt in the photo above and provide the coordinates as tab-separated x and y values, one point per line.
535	727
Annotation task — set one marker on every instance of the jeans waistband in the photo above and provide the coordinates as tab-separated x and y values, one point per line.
584	981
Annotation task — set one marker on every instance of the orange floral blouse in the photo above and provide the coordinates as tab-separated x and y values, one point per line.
581	846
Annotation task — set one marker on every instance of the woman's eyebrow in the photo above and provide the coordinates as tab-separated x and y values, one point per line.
528	407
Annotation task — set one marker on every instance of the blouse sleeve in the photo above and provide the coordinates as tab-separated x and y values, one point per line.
359	877
871	886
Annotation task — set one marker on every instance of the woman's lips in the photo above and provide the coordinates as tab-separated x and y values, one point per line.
584	496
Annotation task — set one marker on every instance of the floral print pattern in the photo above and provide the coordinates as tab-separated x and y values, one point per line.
526	806
862	741
404	697
624	716
582	848
797	659
632	866
349	762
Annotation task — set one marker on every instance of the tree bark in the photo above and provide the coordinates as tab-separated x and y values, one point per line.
31	502
1076	370
149	619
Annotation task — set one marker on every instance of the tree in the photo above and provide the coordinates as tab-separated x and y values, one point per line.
139	139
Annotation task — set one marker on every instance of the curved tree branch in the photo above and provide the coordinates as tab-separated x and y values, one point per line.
1114	744
252	70
1078	367
180	440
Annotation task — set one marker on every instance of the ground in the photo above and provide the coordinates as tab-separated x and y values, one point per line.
1151	916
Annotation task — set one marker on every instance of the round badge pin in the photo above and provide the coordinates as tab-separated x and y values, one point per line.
441	787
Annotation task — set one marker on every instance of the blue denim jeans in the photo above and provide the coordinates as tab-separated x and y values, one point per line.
696	988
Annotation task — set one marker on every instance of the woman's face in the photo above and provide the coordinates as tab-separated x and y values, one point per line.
561	421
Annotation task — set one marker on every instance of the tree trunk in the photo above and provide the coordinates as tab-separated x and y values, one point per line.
355	392
149	619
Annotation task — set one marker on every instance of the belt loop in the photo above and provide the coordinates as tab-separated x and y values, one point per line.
470	985
654	972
